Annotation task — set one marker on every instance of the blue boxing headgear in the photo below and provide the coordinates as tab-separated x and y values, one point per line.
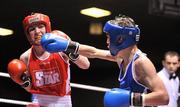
121	37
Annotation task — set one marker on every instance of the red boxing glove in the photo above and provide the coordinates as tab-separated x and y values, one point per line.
16	70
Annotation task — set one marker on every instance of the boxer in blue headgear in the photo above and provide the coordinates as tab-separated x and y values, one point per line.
137	73
121	37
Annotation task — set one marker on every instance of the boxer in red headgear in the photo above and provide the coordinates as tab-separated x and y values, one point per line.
49	72
33	20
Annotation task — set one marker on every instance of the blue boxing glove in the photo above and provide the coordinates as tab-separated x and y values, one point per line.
117	97
55	43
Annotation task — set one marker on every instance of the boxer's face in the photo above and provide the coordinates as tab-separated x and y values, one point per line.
171	63
35	32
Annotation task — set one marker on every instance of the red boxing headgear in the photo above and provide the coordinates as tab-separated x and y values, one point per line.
37	18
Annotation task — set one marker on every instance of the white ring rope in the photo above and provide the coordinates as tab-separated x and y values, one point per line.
2	100
4	74
88	87
75	85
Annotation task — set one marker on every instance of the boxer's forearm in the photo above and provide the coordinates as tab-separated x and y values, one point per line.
92	52
155	98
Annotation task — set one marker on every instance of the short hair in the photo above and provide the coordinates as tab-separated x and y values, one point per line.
171	53
123	20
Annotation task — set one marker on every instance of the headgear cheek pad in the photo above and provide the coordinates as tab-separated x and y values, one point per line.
121	37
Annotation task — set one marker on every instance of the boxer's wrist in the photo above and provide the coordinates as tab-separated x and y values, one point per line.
137	99
72	57
73	47
26	80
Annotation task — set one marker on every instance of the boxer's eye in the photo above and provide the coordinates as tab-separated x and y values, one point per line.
31	28
41	26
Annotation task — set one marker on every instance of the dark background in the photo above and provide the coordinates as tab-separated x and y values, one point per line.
159	33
